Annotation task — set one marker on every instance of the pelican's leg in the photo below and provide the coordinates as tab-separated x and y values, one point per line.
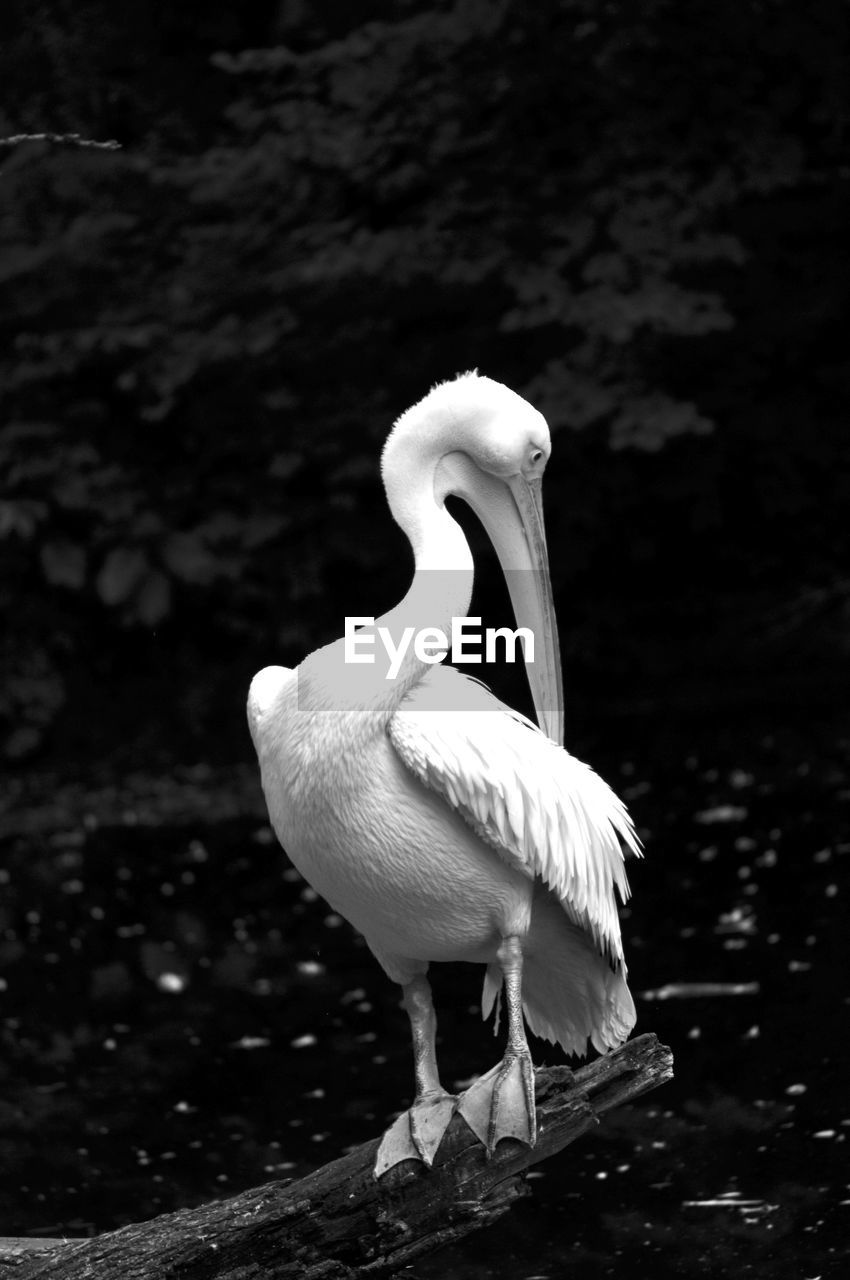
501	1104
417	1133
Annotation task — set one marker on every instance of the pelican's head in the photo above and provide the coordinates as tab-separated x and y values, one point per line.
478	440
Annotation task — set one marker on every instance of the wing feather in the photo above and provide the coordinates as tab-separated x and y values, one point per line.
542	810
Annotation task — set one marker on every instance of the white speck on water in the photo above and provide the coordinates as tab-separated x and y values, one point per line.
822	855
694	1033
303	1042
731	1200
721	813
308	894
824	1133
250	1042
739	779
752	1033
794	1090
831	891
688	990
738	920
798	966
767	859
184	1108
171	982
636	790
352	996
333	921
311	968
708	854
314	1093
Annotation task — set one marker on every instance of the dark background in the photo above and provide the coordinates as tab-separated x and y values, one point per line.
637	217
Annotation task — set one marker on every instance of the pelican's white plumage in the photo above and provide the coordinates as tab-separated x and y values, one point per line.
439	822
548	816
545	812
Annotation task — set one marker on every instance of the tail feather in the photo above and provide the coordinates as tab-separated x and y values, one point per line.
492	995
571	995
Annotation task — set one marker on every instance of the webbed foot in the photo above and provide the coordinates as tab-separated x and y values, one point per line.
501	1104
417	1133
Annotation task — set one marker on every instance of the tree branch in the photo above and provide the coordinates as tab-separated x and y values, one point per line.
338	1223
67	139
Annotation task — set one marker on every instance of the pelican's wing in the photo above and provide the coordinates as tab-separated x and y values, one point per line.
543	811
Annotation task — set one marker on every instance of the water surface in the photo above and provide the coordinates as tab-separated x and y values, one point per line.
181	1018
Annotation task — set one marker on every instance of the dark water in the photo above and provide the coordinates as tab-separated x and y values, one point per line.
182	1018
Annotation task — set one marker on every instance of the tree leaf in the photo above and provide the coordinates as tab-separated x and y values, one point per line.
152	602
64	564
188	558
121	574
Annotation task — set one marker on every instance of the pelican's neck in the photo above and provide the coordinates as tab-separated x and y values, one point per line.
331	678
442	582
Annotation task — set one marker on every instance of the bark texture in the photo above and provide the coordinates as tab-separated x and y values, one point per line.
338	1223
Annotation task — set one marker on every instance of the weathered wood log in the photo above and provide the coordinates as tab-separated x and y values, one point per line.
339	1223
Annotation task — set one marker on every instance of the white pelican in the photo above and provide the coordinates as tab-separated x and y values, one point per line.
439	822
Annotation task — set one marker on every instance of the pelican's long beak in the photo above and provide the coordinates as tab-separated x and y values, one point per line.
512	513
531	597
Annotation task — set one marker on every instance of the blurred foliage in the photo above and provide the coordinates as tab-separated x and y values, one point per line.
634	216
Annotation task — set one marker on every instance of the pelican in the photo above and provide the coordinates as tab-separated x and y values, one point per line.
441	823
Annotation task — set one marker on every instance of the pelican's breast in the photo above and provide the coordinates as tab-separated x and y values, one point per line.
384	851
